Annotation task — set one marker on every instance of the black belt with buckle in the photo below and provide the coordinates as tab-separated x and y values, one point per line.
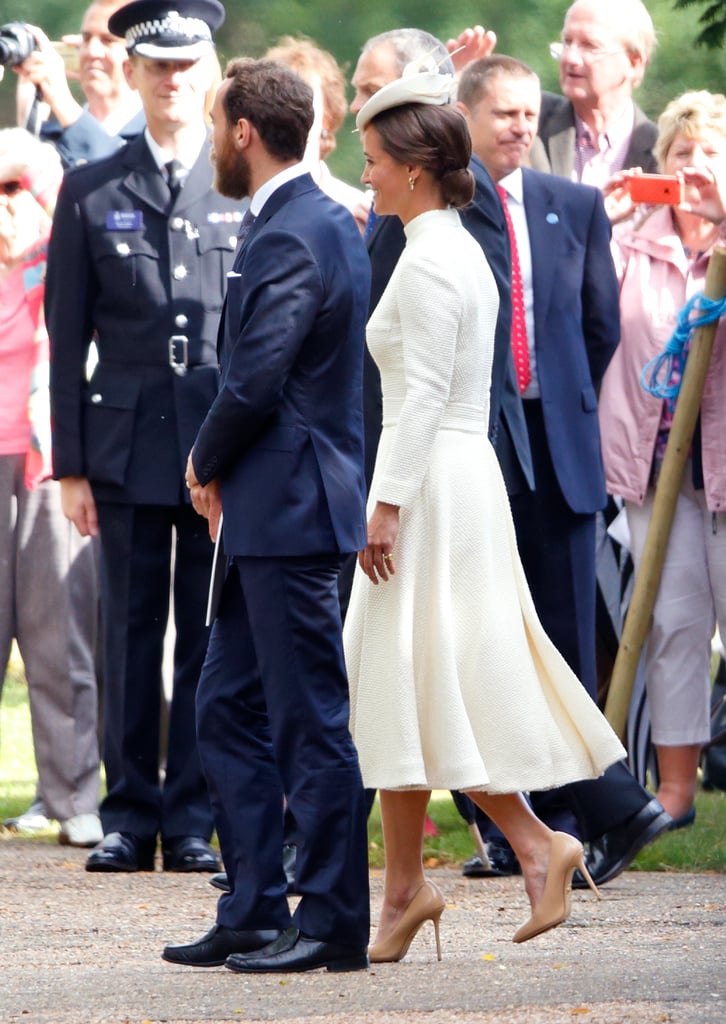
179	353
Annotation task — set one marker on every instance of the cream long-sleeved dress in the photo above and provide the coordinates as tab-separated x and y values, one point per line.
454	684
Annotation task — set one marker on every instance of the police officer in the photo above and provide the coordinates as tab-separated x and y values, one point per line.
139	252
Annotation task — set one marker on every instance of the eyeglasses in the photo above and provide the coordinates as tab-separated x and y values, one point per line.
588	54
10	188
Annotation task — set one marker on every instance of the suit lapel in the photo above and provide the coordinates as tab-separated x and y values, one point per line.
377	228
562	151
545	239
281	196
640	150
143	178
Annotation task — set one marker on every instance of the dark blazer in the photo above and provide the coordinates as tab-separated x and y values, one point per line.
484	219
554	147
134	272
577	326
285	433
86	139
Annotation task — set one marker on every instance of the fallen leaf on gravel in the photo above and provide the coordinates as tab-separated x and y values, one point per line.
488	956
580	1009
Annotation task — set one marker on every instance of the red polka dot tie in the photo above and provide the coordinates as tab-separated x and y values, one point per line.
520	347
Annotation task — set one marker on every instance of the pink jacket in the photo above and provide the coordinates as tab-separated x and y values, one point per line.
655	283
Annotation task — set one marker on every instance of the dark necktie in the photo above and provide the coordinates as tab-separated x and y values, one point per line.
370	224
174	178
245	227
520	346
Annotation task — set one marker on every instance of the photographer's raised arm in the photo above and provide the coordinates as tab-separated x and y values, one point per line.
45	70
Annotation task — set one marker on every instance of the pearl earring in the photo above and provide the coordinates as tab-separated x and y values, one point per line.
411	182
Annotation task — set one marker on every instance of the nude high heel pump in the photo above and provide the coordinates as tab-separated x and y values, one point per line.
554	907
427	905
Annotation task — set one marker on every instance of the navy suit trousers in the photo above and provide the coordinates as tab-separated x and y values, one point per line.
272	721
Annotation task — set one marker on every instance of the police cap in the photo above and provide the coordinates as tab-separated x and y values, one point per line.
168	29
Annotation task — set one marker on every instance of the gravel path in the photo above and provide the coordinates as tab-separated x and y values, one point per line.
81	948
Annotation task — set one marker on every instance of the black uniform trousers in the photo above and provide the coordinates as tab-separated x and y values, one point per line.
136	561
272	714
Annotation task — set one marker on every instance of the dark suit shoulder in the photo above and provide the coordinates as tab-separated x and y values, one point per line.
485	195
86	177
562	188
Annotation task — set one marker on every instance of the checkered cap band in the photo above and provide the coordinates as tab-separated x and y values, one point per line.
173	27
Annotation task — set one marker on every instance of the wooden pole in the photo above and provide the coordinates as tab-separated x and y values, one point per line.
645	587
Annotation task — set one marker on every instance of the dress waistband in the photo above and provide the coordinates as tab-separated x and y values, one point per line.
457	416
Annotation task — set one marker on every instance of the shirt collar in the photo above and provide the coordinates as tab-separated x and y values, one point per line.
619	130
188	151
513	185
272	184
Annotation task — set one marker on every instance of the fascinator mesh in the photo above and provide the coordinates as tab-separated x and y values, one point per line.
420	82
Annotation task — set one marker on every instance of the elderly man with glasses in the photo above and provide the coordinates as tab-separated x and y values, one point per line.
595	128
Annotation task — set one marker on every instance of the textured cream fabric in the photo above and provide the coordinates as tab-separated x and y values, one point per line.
454	684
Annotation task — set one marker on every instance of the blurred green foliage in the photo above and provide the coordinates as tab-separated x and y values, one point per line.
342	26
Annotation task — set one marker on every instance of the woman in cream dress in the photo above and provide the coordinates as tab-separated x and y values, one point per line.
454	684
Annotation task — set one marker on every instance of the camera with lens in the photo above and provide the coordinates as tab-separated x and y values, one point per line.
16	44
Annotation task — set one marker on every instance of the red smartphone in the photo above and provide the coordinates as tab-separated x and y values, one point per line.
655	188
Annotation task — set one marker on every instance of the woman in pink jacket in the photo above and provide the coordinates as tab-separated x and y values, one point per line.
661	259
47	574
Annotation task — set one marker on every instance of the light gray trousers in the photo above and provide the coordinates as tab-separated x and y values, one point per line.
48	604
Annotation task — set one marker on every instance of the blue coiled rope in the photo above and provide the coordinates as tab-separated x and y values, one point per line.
662	375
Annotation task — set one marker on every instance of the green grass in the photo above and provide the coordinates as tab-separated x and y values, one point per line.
699	848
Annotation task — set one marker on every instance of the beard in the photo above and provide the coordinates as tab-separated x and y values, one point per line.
232	177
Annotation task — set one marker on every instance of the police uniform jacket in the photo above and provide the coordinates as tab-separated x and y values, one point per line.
145	278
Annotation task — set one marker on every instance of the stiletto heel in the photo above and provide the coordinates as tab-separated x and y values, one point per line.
554	907
426	905
586	875
436	919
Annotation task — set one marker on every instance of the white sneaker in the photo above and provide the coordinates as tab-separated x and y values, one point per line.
81	830
32	820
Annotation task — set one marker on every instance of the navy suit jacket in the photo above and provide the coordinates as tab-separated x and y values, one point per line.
577	325
554	147
285	433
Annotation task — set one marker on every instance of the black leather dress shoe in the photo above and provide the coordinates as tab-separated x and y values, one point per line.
502	862
612	853
684	821
190	853
220	881
122	851
292	951
213	948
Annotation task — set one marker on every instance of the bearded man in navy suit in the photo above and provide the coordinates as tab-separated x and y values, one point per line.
280	454
572	322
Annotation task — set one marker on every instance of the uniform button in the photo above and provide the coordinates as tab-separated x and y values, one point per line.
96	398
123	248
177	223
179	273
180	320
